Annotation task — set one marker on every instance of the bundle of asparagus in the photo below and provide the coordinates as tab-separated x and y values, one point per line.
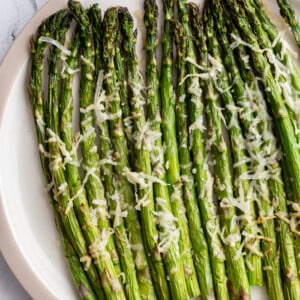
180	180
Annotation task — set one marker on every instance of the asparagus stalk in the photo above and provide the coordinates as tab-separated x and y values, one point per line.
198	239
238	281
279	48
195	109
80	280
282	121
243	191
36	95
142	155
290	79
65	104
62	183
266	147
58	181
120	154
112	194
243	187
291	202
108	178
285	238
288	14
282	67
94	15
127	263
168	236
93	185
60	190
171	151
122	243
207	206
256	10
283	124
121	62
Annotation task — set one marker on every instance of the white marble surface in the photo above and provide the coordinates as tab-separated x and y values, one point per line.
14	14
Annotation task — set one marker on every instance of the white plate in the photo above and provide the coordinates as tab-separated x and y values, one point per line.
28	238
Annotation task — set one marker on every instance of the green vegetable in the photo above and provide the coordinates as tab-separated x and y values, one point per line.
120	155
187	92
282	66
93	185
37	101
171	151
207	206
254	112
288	13
276	188
238	281
168	236
283	123
79	276
129	274
94	15
289	78
142	163
243	190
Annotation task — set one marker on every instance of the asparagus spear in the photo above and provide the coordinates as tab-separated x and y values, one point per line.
168	236
282	66
36	96
120	154
279	48
195	109
276	188
93	185
265	147
171	151
243	190
129	275
122	243
113	196
282	121
142	161
94	14
60	189
80	280
256	10
198	239
238	281
58	182
288	14
96	241
206	203
283	124
121	62
65	104
289	78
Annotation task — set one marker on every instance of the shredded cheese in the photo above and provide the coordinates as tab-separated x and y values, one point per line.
141	179
169	233
55	43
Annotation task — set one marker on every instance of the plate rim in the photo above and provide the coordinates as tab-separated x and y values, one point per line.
9	68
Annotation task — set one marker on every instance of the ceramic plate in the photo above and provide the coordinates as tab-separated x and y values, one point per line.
28	238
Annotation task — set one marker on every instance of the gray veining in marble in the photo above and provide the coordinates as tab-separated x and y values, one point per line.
14	14
34	5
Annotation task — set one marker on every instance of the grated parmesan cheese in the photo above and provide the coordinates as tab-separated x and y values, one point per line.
55	43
